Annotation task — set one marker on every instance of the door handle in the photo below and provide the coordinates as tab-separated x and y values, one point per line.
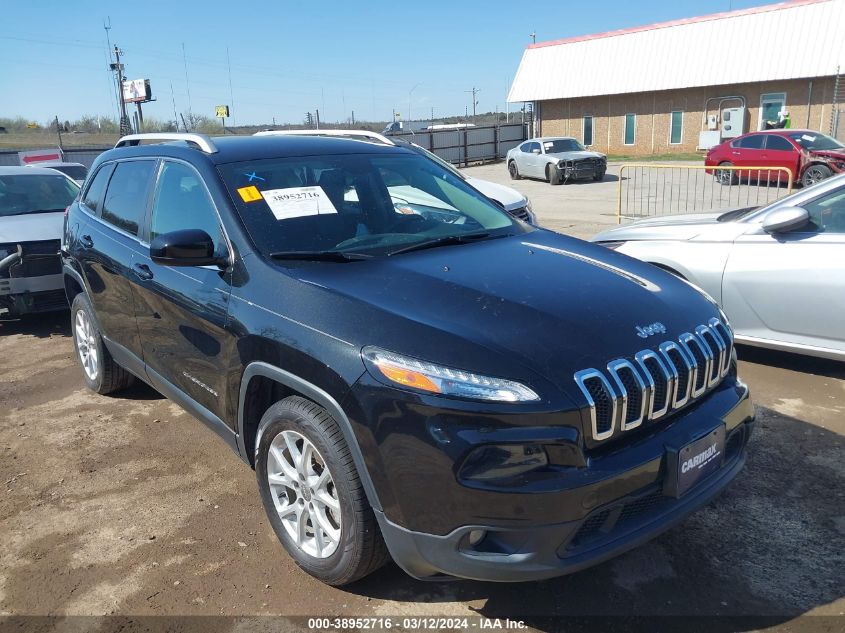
735	153
86	241
143	271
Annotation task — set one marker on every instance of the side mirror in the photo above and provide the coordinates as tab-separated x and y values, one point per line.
535	151
188	247
785	219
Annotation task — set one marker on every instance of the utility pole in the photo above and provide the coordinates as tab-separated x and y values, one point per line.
353	118
318	119
533	37
474	92
117	68
59	131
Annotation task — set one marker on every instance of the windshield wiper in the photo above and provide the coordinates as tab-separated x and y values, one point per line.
446	240
320	256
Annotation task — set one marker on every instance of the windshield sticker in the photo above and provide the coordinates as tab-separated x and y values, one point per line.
253	176
807	137
249	194
548	145
298	202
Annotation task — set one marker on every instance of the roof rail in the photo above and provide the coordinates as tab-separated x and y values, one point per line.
365	135
200	141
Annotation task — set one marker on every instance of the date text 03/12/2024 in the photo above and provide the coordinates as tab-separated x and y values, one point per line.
414	623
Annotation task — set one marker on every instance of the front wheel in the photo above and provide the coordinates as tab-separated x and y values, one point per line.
513	170
815	174
553	175
313	496
599	176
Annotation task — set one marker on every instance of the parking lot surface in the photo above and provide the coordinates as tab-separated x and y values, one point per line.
127	505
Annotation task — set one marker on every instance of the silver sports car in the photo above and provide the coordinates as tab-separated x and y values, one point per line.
778	271
556	160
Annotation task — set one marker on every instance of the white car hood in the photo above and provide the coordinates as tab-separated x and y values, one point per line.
31	227
575	155
510	198
669	227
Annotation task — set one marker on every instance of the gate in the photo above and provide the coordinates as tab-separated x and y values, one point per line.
649	190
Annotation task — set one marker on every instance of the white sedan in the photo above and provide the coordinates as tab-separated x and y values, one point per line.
778	271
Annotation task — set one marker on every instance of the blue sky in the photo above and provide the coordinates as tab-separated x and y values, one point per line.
289	57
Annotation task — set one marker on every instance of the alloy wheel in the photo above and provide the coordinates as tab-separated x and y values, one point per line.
304	494
813	176
86	344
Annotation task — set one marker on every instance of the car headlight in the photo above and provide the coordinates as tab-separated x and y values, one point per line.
446	381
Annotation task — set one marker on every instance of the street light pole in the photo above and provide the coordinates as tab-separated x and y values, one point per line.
410	92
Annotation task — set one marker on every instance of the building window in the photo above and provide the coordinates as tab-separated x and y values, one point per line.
676	128
771	106
630	127
588	131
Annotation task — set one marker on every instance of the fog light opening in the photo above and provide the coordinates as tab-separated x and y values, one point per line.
475	537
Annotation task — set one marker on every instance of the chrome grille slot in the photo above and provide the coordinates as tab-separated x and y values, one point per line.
656	382
632	392
717	349
601	399
684	368
722	331
659	383
702	358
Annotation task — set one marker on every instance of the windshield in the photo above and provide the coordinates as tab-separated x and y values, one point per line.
558	145
365	204
21	194
814	141
77	172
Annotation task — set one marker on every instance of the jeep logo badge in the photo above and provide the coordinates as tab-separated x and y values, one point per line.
644	331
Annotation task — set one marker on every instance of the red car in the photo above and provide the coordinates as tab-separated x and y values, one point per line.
811	156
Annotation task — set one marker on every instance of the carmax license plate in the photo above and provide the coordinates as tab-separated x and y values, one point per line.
700	458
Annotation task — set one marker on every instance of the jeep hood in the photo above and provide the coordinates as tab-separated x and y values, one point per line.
31	227
537	300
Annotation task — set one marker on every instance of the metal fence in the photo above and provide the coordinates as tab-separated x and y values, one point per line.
649	190
472	144
86	156
460	147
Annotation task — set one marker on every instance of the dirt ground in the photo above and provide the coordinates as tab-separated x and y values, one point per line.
126	505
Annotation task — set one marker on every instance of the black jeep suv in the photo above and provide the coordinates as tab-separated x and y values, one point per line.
411	372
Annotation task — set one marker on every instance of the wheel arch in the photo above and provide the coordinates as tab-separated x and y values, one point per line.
263	384
73	282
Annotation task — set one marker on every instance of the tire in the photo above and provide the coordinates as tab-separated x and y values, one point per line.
599	176
99	370
352	545
815	174
513	170
553	176
725	176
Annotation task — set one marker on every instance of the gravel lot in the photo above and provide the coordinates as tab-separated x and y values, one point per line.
126	505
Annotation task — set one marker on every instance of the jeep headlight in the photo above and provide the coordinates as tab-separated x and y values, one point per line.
446	381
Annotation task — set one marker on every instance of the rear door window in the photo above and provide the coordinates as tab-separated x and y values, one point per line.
126	197
94	193
751	142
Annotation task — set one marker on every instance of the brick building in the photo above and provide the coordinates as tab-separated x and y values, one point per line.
654	89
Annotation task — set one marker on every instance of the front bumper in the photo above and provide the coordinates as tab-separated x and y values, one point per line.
528	550
581	169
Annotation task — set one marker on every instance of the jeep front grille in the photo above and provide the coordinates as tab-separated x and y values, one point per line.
655	383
